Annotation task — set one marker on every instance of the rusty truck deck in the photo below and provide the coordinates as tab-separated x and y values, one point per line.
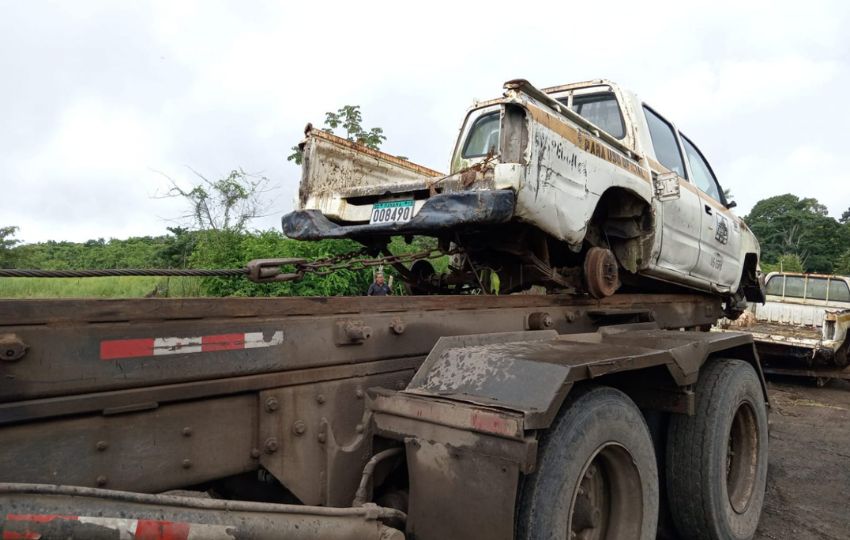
126	399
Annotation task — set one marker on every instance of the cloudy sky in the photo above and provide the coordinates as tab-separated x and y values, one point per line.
100	100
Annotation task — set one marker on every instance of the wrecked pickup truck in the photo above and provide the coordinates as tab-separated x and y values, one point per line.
580	187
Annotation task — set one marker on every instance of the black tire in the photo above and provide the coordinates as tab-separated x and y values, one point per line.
600	443
715	493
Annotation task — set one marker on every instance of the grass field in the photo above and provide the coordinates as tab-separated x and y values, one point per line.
105	287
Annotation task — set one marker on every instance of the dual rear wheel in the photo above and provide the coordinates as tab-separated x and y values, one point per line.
597	474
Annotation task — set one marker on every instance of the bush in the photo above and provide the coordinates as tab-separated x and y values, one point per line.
222	249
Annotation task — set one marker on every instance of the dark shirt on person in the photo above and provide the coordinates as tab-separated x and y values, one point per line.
378	290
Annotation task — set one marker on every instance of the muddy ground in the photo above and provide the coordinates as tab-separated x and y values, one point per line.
808	485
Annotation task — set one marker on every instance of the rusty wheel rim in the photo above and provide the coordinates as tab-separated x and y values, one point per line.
742	455
607	503
601	272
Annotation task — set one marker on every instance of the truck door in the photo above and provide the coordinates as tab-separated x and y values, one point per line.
676	201
720	260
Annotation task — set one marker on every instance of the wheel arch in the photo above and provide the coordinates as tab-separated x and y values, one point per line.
752	280
623	220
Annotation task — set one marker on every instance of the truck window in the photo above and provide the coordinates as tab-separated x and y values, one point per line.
816	289
664	141
603	110
794	286
774	285
483	137
700	171
838	291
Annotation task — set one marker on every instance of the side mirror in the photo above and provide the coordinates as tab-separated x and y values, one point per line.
731	204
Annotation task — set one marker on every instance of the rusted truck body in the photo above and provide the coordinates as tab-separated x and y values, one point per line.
408	417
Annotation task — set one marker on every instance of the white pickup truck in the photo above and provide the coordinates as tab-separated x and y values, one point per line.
801	329
579	186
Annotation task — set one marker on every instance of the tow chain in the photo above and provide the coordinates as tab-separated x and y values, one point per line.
271	270
258	270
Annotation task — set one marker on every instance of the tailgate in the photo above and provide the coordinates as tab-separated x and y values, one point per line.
335	169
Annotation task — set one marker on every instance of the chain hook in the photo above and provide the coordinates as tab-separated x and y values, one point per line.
270	270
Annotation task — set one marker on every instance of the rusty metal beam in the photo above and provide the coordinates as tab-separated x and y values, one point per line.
45	511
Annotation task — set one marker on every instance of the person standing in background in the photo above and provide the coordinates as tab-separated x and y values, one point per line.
378	287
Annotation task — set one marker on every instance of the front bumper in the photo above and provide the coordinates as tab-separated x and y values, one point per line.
442	212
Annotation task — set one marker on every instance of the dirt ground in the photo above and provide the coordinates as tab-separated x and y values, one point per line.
808	484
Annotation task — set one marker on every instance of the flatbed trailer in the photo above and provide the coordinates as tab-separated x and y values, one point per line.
392	417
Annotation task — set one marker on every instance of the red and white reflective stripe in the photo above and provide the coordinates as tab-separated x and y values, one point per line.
28	527
134	348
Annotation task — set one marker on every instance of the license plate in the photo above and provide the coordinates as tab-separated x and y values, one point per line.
391	212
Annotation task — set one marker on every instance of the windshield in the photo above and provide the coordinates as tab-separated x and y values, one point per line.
483	138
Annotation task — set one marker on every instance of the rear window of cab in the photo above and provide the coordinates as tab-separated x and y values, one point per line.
808	288
600	108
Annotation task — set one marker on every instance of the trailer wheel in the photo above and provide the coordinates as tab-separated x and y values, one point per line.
596	474
717	459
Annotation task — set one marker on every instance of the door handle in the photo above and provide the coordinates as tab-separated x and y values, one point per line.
707	209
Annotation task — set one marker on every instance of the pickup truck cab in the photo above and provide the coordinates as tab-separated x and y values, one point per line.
538	179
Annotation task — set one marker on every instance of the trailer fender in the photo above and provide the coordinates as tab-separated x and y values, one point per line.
532	372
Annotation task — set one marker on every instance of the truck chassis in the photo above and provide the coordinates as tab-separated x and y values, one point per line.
363	417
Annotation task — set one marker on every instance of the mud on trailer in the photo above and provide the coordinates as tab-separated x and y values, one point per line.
415	417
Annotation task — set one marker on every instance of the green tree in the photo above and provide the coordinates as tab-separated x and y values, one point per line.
842	266
350	119
789	225
7	243
789	262
177	249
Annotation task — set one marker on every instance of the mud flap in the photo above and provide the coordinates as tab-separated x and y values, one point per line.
441	473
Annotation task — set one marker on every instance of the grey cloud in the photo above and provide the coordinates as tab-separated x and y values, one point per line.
213	87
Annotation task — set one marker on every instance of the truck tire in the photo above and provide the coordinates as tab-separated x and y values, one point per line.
596	475
716	465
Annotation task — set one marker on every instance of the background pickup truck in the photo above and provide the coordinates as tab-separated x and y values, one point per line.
579	186
801	329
